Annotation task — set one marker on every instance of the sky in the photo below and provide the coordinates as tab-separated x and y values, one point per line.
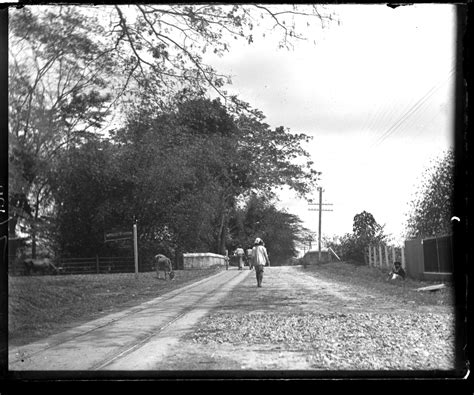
376	94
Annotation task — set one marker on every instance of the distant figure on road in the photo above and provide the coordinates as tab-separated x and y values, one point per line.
240	253
397	272
249	258
260	259
163	263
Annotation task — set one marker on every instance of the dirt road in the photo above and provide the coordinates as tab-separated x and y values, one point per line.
296	321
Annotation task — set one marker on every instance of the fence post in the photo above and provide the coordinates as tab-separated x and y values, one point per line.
135	249
403	257
380	256
97	263
394	257
386	256
370	260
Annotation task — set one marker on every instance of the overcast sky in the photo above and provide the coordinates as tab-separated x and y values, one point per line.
375	92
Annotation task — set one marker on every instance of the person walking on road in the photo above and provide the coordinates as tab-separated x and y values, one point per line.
240	253
249	258
260	259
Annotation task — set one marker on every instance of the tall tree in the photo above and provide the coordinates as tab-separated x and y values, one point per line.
432	207
366	231
56	72
71	67
189	167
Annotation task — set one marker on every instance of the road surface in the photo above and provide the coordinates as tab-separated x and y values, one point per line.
158	335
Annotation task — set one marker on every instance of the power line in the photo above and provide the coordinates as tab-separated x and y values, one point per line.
412	110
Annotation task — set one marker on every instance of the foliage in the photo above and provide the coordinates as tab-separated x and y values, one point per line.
366	231
163	47
75	69
56	72
84	186
432	207
261	218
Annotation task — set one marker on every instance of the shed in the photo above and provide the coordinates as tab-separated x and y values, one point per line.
430	258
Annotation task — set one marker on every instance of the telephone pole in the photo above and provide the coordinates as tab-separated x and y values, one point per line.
320	209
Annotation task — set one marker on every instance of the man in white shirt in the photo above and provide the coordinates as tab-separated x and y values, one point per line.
240	253
259	259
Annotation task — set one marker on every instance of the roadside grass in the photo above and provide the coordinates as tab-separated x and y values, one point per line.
39	306
375	280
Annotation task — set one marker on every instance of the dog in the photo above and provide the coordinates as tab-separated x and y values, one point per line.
163	263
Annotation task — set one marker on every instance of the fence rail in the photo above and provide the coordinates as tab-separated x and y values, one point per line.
88	265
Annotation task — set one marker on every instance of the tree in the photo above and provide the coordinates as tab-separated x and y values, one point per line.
204	151
366	231
432	207
83	189
56	73
164	45
259	217
158	50
72	68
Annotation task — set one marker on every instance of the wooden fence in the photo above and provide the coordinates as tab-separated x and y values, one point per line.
384	256
91	265
96	265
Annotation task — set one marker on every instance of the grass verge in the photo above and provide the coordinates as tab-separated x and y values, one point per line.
39	306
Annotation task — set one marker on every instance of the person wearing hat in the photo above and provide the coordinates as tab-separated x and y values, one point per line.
240	253
260	259
249	258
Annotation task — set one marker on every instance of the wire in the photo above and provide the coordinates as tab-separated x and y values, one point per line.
412	110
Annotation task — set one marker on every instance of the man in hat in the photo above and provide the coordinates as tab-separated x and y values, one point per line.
260	259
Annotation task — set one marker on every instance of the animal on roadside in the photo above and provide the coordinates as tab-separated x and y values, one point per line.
163	263
42	266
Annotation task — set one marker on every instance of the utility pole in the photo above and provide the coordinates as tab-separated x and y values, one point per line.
135	246
320	209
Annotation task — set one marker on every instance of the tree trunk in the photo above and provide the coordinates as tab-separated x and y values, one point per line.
220	234
178	259
33	229
33	241
222	246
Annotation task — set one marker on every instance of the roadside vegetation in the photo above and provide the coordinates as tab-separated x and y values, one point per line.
39	306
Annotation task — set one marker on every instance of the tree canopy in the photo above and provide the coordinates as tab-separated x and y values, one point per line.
432	207
260	217
366	232
176	161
